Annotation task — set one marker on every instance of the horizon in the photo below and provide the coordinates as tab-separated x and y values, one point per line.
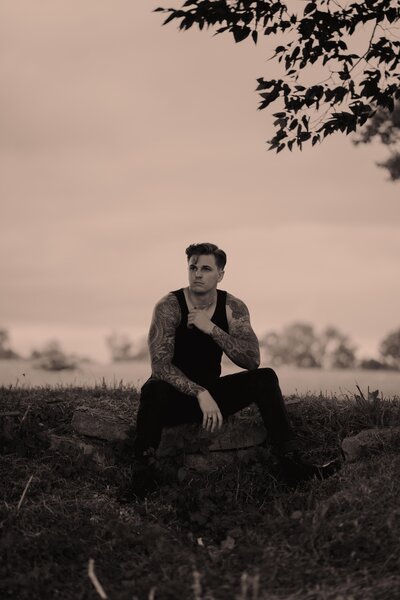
92	345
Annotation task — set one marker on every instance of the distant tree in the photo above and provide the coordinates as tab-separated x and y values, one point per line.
122	348
299	345
5	351
373	364
390	349
385	127
347	85
335	350
52	358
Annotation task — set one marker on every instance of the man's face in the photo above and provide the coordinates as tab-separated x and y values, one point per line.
204	275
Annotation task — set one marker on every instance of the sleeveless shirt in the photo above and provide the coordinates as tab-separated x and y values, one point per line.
196	354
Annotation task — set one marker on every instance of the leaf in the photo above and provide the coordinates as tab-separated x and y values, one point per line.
269	98
310	7
295	53
304	136
168	19
263	85
305	121
315	139
254	35
240	33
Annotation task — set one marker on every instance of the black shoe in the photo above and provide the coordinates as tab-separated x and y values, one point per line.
296	469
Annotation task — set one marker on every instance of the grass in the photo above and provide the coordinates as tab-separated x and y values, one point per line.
235	534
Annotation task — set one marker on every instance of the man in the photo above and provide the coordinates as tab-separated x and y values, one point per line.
190	329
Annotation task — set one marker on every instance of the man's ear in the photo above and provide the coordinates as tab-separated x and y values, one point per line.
221	276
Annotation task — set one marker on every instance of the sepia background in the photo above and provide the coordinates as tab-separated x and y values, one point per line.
122	142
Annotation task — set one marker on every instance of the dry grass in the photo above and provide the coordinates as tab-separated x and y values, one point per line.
237	534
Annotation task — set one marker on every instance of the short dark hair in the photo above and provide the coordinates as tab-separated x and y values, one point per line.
207	248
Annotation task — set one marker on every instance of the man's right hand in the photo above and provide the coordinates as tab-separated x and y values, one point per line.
212	417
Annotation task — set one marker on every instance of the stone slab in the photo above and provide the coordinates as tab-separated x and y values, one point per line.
191	438
102	456
369	441
237	432
100	424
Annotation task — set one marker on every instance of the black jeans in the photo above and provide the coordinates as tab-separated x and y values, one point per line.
163	405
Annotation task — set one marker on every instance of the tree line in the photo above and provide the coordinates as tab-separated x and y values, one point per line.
297	344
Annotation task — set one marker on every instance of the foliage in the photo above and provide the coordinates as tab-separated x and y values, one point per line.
5	350
390	349
324	38
385	126
299	345
373	364
122	348
52	358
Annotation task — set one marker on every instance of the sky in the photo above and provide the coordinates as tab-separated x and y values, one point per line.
122	142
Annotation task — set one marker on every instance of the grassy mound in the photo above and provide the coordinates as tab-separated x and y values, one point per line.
237	534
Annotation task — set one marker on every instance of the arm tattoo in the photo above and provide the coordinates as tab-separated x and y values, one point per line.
241	343
161	340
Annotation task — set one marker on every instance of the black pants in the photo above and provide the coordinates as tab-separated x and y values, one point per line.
163	405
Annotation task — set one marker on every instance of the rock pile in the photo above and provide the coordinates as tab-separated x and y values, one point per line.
97	432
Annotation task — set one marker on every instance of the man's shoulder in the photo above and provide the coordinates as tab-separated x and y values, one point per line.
235	306
170	300
167	312
231	299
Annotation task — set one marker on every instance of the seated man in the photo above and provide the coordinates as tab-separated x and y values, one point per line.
191	328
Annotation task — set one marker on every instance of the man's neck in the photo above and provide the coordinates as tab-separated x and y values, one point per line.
200	300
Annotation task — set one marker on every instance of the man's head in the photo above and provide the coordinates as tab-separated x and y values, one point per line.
207	249
206	267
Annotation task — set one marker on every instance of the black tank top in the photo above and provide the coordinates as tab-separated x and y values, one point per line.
196	354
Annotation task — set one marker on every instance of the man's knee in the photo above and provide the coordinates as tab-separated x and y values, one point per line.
266	375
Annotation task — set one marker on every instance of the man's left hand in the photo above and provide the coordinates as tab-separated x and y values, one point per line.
199	319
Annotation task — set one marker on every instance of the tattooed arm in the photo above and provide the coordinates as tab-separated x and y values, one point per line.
241	343
161	340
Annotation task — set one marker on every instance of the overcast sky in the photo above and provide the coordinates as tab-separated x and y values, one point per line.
122	142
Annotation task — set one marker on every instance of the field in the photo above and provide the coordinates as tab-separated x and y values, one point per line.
236	534
293	381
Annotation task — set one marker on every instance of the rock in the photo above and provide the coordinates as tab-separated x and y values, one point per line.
195	448
100	455
369	441
234	434
100	424
206	452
